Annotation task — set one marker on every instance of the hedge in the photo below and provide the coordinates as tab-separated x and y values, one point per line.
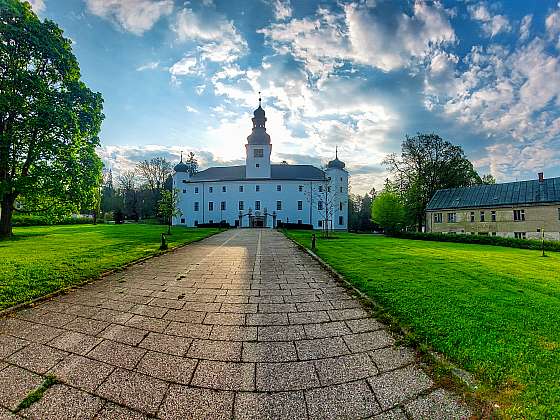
41	220
298	226
480	239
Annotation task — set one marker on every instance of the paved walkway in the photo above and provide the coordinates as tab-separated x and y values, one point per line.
241	325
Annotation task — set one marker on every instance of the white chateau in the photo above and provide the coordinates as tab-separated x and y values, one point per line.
261	194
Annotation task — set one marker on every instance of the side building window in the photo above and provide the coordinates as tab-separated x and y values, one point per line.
241	205
520	235
196	206
210	206
196	190
519	215
493	215
472	216
223	205
451	217
319	205
278	205
482	216
279	188
438	218
241	188
300	205
257	205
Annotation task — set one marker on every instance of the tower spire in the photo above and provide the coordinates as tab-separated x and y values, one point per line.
336	152
181	156
260	98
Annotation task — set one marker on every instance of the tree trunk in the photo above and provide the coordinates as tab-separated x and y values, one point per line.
6	209
169	228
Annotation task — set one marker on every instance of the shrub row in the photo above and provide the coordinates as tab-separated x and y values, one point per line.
299	226
483	240
41	220
225	225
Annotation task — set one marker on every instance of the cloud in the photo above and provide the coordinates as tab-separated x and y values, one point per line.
491	25
152	65
217	38
185	66
37	5
380	36
135	16
552	24
525	27
282	9
192	109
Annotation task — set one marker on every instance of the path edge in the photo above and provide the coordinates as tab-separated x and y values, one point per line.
88	280
459	376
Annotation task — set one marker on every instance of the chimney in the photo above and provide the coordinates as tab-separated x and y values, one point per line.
541	176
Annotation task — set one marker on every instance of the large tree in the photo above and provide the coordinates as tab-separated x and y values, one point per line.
426	164
155	172
49	119
388	211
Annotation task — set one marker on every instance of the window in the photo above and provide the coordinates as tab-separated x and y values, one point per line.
196	190
196	206
210	189
223	205
482	216
258	153
329	188
320	223
299	222
519	215
241	205
300	189
183	221
520	235
257	205
257	165
257	188
558	214
278	205
493	233
279	188
472	216
340	206
300	205
451	217
493	217
340	189
196	222
241	188
184	181
320	205
437	218
320	188
340	220
224	188
210	206
184	191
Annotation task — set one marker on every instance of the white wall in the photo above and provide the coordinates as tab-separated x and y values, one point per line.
268	195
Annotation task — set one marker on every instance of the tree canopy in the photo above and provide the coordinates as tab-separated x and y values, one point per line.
49	119
387	211
426	164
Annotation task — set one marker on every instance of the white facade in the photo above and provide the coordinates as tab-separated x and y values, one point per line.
259	194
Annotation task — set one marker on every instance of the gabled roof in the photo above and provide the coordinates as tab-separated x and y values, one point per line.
279	172
511	193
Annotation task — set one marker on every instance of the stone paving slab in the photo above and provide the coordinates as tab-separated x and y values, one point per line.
241	325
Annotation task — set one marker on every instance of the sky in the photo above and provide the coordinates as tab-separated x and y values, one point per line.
361	75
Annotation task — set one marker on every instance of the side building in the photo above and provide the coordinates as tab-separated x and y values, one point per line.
261	194
521	210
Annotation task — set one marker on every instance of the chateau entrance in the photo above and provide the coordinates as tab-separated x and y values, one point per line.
257	221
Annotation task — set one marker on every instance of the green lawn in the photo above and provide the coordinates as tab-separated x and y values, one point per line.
43	259
494	311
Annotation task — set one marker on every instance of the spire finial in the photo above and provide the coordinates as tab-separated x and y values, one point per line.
260	98
336	152
181	156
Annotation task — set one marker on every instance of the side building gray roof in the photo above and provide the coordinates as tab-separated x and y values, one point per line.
279	172
508	194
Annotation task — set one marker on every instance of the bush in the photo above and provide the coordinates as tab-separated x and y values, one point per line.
20	220
298	226
224	225
482	240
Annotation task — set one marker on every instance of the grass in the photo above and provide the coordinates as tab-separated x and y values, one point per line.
494	311
37	394
43	259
